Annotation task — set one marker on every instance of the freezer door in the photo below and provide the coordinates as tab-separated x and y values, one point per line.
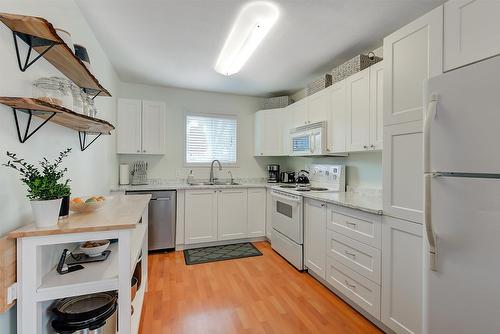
465	127
463	295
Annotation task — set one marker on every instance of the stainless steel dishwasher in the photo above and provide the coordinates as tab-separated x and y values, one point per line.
161	219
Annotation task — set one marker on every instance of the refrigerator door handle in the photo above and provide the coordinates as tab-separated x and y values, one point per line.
431	112
429	229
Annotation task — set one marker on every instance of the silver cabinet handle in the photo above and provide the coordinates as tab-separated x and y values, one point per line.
162	199
349	253
354	225
352	286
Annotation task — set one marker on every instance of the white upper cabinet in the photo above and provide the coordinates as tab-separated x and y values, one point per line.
141	127
403	170
271	132
298	113
470	31
315	236
129	133
153	127
376	105
318	106
232	214
337	121
358	111
412	54
256	212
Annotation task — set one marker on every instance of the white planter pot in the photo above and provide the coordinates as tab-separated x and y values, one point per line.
46	213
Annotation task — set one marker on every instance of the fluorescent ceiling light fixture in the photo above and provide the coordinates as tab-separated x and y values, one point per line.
251	26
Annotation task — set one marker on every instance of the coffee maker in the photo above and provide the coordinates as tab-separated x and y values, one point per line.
273	173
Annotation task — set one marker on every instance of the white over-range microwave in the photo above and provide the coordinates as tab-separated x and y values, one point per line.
308	139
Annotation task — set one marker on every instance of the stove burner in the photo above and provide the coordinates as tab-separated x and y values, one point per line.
319	189
303	189
286	186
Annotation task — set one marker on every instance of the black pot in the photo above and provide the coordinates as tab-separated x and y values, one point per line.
64	211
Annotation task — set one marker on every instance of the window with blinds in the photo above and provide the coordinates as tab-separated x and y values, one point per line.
209	138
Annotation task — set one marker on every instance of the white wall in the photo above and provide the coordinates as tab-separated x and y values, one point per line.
363	169
182	101
92	171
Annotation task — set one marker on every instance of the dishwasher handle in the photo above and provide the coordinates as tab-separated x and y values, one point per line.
162	199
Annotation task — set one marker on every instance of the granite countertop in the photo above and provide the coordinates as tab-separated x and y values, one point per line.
118	212
371	203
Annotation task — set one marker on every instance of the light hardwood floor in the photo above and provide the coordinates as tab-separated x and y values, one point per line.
261	294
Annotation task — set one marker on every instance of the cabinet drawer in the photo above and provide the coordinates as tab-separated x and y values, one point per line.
361	258
353	226
357	288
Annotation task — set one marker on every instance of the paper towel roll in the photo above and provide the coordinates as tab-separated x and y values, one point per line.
124	174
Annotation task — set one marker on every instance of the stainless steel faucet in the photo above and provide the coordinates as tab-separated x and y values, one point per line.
212	179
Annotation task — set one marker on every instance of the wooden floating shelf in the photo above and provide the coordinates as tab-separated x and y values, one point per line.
62	116
59	55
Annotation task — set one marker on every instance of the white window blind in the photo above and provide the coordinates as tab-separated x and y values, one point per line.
209	138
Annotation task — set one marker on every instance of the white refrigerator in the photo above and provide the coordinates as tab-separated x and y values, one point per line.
462	201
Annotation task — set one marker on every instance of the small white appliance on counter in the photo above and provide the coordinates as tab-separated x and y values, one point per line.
287	210
308	139
462	201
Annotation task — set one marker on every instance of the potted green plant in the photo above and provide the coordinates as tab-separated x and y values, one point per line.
45	186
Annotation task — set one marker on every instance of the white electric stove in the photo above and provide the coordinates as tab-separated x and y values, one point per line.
287	217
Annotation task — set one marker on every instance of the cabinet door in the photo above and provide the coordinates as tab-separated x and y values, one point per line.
412	54
269	214
401	275
470	31
315	236
270	128
376	105
256	212
129	125
402	162
200	218
358	111
337	122
298	113
232	214
318	106
153	127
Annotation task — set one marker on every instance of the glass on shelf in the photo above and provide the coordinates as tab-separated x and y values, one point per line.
77	99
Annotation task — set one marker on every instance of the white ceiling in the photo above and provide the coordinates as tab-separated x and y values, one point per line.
176	42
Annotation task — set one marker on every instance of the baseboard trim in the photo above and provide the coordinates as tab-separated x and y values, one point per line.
219	243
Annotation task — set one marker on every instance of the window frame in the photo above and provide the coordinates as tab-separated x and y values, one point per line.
213	115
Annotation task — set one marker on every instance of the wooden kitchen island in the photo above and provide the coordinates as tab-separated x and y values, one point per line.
124	218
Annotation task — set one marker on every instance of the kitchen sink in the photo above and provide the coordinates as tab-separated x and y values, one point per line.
215	184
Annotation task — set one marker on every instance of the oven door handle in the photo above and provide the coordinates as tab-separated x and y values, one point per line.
287	198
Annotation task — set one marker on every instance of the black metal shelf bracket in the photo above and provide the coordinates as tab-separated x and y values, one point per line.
32	42
94	92
27	133
83	139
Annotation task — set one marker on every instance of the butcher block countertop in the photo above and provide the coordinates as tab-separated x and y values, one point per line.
119	212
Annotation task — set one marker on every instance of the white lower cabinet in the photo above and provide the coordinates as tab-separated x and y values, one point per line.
224	214
256	212
269	214
354	286
402	275
200	217
361	258
315	237
232	213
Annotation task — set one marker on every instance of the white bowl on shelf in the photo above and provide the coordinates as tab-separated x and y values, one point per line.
96	250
